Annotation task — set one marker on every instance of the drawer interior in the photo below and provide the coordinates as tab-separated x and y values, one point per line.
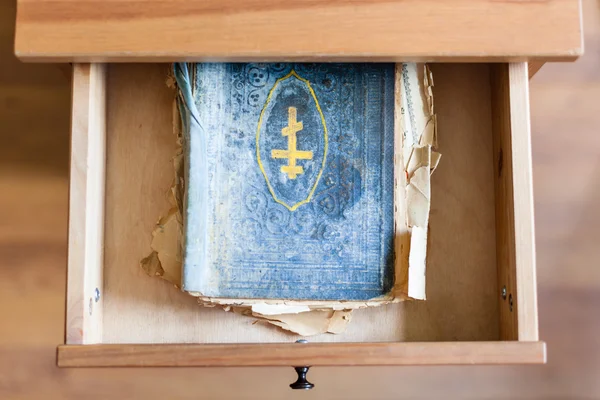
462	289
480	262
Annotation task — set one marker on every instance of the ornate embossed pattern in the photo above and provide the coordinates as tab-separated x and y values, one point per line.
337	246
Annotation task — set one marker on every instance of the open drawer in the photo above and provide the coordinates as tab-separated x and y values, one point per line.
481	286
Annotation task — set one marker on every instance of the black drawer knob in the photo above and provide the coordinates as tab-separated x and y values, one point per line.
301	382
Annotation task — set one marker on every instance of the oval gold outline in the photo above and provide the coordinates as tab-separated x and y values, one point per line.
312	191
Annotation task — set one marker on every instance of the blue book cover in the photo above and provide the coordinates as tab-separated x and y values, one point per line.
288	180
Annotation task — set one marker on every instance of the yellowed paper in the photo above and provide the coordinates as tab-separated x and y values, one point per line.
310	323
419	129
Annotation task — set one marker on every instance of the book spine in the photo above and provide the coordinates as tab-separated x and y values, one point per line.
195	206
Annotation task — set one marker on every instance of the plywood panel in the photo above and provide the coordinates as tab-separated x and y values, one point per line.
462	303
391	30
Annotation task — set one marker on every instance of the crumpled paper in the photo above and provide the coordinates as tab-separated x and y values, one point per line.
420	160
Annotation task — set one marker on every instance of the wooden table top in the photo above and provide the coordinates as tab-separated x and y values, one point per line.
345	30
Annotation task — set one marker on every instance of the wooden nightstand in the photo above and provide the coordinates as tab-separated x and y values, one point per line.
481	276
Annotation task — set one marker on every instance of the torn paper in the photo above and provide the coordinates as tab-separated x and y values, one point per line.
310	323
418	125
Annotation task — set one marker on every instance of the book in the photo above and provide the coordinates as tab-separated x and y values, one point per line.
289	180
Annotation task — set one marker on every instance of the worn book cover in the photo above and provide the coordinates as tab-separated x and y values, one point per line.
289	180
415	159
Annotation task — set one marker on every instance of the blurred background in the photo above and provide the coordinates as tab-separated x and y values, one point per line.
34	151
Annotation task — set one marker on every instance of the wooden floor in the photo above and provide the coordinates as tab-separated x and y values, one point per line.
34	124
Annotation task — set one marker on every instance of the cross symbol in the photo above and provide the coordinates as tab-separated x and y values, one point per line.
292	153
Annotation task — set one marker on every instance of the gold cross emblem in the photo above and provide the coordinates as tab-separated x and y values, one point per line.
292	153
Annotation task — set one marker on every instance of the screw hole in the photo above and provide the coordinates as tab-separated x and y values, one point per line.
504	292
510	302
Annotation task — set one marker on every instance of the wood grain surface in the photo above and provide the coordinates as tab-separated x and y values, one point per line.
35	115
86	206
383	30
286	354
515	242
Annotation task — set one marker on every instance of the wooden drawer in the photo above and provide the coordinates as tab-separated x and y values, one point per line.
481	286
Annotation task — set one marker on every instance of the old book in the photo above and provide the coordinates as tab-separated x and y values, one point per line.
289	180
415	136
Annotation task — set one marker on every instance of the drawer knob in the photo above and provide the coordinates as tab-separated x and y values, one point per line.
301	382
